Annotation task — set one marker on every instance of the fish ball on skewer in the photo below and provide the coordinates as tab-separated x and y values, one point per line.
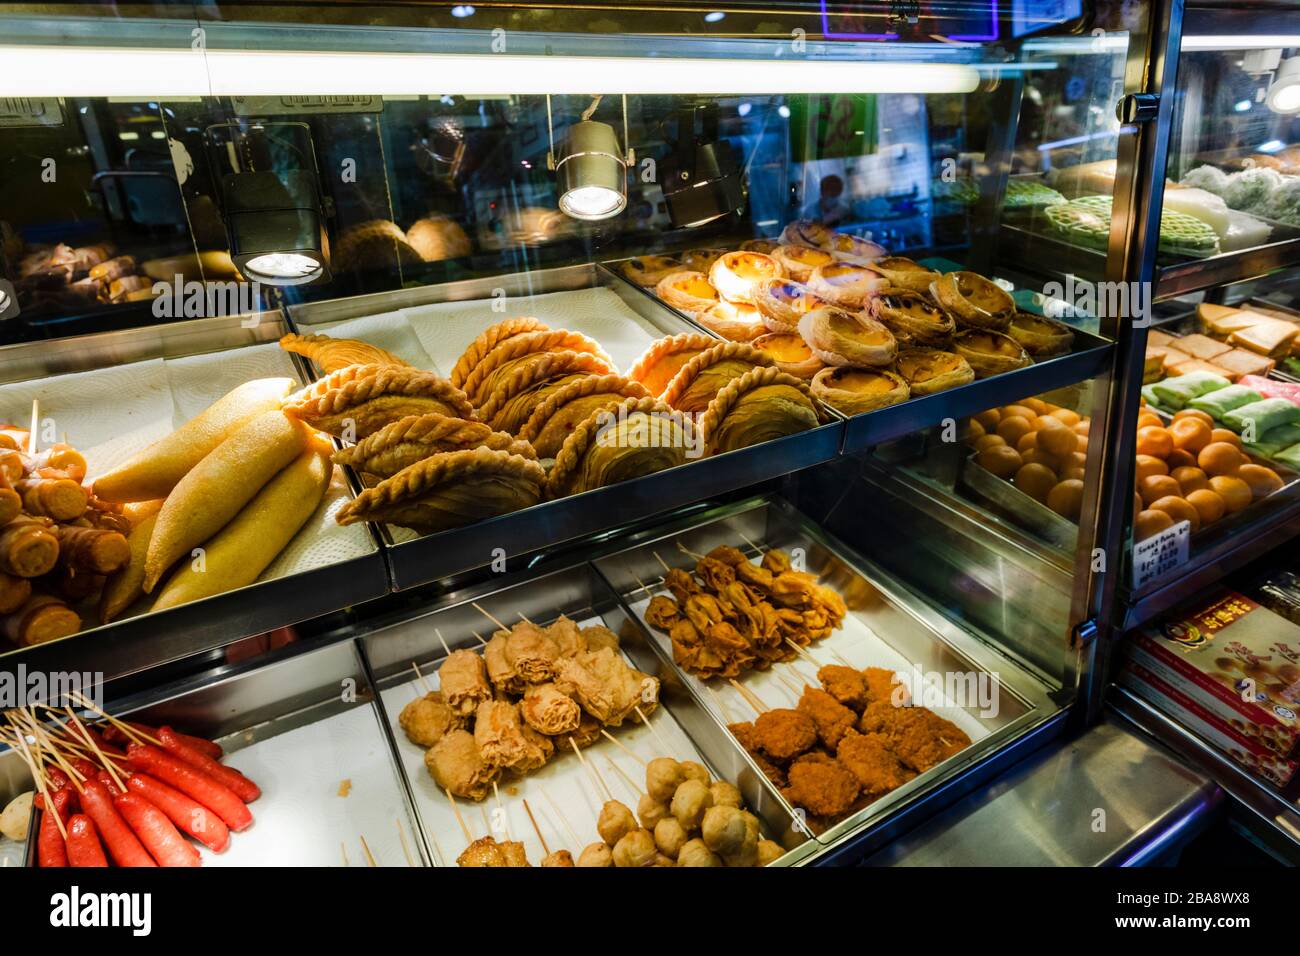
650	811
663	776
696	771
723	830
615	822
596	854
726	794
560	858
769	852
746	854
695	853
690	802
635	849
670	836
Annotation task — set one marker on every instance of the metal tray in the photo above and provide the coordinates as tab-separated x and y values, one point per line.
680	722
887	625
147	640
1056	530
419	560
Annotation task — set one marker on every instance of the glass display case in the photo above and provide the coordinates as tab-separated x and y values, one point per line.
747	349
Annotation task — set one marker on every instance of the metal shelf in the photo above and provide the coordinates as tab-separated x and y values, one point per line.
1225	269
1262	811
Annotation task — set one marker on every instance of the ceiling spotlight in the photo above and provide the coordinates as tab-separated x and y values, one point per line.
702	179
1284	92
591	172
271	201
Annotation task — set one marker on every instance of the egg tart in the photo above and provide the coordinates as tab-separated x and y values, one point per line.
733	321
912	317
783	302
556	417
805	232
646	271
798	262
736	274
765	246
332	354
852	249
903	273
637	437
489	339
700	379
853	391
507	355
665	358
927	371
1039	335
990	353
687	291
846	284
974	301
790	353
357	401
450	490
761	405
700	260
402	443
516	393
838	337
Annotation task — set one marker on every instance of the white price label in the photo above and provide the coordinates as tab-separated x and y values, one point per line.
1156	556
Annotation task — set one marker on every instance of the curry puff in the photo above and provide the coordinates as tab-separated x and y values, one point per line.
637	437
332	354
414	438
359	400
496	367
699	380
489	339
450	490
760	406
563	409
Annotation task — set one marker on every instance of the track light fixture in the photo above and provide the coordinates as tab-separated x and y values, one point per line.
591	172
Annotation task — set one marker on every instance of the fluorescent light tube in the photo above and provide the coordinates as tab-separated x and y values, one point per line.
1256	42
159	74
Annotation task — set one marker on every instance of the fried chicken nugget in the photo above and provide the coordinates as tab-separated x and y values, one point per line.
869	758
821	785
833	719
846	685
782	733
881	685
920	737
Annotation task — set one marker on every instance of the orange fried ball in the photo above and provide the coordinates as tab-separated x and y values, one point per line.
1190	434
1219	458
1154	440
1178	509
1055	438
1148	465
1035	480
1001	460
1149	523
1154	488
1066	499
1236	494
1263	481
1207	504
1190	478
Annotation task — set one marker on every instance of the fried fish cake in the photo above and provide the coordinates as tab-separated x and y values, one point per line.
782	733
832	718
846	685
869	758
821	785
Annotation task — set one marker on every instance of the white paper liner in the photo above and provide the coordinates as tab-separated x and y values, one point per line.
111	414
300	819
854	641
563	780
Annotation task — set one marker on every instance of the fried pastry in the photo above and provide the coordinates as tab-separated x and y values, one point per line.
510	403
857	390
734	321
798	262
847	284
332	354
499	363
687	291
1039	335
927	371
436	238
737	274
974	301
402	443
700	379
556	416
838	337
761	405
990	353
450	490
904	273
357	401
790	353
913	318
665	357
489	339
783	302
637	437
646	271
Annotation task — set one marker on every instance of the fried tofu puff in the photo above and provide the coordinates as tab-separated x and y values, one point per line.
832	718
846	685
868	757
427	719
783	734
821	785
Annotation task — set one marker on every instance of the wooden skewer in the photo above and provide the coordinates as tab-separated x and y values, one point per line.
810	681
564	820
596	777
443	641
787	683
343	847
478	637
640	582
39	775
750	697
73	774
420	677
370	857
437	850
524	617
662	562
662	743
500	626
469	837
621	746
636	791
504	816
802	652
487	825
685	550
536	829
723	709
129	731
839	657
406	850
31	435
750	543
112	771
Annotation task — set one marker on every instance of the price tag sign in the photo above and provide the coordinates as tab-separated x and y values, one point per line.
1158	555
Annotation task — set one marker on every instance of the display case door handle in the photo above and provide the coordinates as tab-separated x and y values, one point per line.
1138	108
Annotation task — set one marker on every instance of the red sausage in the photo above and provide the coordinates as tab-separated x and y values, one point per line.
83	843
213	750
50	848
192	782
109	784
156	832
89	733
123	846
87	769
244	788
56	779
189	815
